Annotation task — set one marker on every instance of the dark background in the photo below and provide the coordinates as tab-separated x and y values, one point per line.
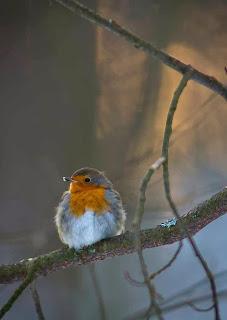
73	95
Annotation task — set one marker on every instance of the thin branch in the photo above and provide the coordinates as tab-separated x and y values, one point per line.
37	302
142	197
195	220
169	263
165	153
210	82
180	304
98	292
136	227
132	281
198	309
153	275
8	305
204	298
190	290
151	288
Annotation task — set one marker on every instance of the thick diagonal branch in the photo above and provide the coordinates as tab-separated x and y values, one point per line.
195	220
198	76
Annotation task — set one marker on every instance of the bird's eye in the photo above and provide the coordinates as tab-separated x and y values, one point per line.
87	179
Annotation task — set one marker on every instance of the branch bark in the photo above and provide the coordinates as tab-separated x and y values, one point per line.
136	224
195	220
208	81
165	153
37	302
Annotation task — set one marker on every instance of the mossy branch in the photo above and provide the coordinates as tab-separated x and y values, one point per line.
195	220
208	81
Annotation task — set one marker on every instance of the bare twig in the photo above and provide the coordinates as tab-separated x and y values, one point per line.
137	283
98	292
198	309
136	227
180	304
191	290
165	153
204	298
132	281
37	302
142	196
151	288
169	263
198	76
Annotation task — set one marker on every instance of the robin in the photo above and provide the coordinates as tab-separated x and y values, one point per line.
91	210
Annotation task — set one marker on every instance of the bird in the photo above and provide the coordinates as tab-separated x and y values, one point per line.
90	210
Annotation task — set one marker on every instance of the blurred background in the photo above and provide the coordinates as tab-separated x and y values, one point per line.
75	95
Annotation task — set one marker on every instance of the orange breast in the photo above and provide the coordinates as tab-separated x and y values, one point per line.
90	199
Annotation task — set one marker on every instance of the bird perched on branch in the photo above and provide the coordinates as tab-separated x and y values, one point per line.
91	210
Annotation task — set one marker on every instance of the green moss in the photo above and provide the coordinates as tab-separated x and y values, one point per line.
117	245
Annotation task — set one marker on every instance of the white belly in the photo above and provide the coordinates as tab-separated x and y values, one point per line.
78	232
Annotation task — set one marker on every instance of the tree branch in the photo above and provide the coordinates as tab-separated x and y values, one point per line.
98	292
142	194
169	263
165	153
180	304
37	302
136	225
198	76
28	279
195	220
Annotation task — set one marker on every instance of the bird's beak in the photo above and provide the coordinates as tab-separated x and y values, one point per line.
66	179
